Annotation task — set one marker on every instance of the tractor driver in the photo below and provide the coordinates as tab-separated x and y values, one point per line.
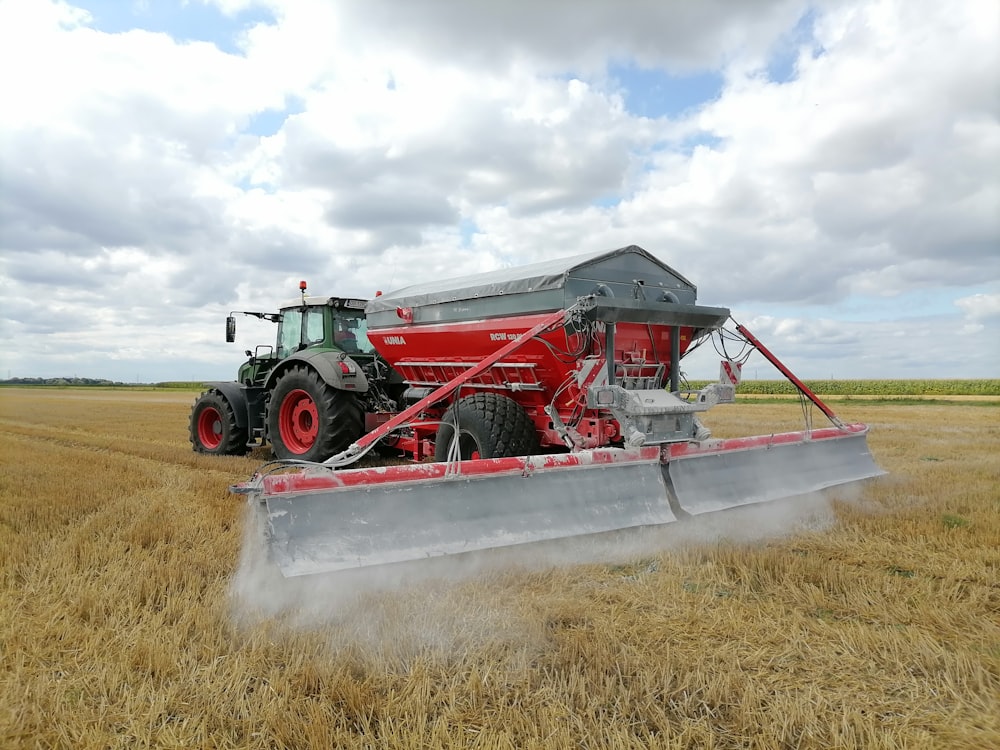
344	337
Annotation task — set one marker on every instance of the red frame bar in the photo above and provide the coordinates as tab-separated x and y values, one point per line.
770	357
682	450
304	481
326	480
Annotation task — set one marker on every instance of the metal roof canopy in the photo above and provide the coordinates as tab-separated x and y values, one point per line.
630	276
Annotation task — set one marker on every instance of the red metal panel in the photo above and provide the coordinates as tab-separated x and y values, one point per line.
304	481
435	353
681	450
472	341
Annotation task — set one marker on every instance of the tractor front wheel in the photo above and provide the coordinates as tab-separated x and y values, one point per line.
213	428
490	425
310	420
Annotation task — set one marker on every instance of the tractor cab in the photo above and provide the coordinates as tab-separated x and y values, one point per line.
333	324
324	322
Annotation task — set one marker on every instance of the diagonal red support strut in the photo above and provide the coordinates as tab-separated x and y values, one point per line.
789	374
409	413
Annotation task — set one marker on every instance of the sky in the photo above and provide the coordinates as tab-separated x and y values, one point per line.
828	170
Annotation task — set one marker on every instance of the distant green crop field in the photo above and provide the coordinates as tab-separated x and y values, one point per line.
928	388
986	387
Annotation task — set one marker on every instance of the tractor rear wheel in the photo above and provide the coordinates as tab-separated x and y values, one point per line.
213	428
490	425
310	420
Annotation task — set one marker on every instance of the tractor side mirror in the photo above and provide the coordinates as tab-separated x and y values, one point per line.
230	329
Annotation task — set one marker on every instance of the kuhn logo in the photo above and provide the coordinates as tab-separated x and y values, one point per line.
396	340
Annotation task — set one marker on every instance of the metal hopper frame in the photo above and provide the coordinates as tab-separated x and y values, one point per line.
645	460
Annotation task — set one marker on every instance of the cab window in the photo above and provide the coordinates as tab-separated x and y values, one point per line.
290	332
313	330
350	334
300	327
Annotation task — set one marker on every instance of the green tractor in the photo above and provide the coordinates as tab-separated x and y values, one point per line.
319	389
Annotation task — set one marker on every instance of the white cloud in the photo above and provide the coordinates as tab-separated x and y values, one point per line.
855	165
820	348
425	139
980	307
562	35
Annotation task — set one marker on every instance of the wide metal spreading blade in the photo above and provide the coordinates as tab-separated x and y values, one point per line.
322	521
418	511
731	473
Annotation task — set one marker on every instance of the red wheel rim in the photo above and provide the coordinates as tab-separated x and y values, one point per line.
298	421
468	447
210	427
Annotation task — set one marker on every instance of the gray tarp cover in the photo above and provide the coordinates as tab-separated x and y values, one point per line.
550	274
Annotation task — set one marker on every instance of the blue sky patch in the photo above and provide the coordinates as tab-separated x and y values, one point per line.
657	93
781	63
467	228
266	123
269	121
183	21
607	201
702	138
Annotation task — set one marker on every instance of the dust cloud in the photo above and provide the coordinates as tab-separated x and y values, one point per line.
454	603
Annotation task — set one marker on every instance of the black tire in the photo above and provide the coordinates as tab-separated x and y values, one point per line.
490	425
212	427
310	420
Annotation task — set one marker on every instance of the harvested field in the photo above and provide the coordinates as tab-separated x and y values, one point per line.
869	621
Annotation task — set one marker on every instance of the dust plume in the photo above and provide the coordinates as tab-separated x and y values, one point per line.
457	603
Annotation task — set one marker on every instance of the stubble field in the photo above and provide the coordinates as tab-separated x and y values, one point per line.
871	620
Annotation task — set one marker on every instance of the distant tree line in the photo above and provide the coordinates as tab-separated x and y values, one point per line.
62	381
101	382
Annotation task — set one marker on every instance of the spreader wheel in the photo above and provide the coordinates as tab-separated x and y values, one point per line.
213	428
490	425
310	420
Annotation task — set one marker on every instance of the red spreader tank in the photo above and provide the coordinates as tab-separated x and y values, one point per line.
550	399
